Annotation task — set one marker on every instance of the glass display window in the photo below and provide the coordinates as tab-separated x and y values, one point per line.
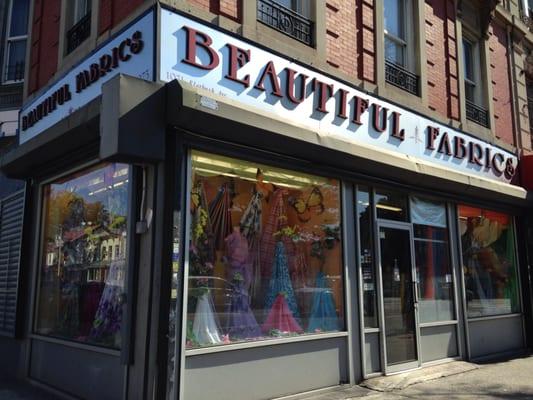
489	262
265	256
83	256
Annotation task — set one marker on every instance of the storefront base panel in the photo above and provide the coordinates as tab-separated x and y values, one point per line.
492	336
266	372
438	342
372	362
11	350
79	372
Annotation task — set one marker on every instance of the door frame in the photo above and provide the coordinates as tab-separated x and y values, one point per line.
406	226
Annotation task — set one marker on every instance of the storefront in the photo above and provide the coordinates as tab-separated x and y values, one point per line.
238	216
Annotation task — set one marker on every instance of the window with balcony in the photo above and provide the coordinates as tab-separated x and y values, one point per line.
472	82
529	88
16	37
291	17
79	19
399	45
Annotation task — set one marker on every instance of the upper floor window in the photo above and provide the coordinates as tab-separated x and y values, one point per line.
79	21
291	17
17	33
473	87
529	88
399	45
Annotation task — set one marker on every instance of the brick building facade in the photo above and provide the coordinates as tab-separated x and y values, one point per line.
384	146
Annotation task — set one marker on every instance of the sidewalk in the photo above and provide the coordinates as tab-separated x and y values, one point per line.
510	379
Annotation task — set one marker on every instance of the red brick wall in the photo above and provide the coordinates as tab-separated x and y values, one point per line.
228	8
499	79
441	53
114	11
366	58
44	43
341	36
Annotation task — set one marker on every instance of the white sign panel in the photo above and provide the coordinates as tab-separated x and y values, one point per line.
130	53
227	66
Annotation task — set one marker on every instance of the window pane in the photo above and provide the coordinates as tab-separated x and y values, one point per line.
81	277
265	256
15	60
394	18
364	214
394	52
470	92
469	60
391	205
489	262
19	18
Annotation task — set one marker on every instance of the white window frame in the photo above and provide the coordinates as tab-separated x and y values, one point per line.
302	7
408	42
10	39
475	80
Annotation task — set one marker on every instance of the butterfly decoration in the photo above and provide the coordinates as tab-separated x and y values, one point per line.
314	202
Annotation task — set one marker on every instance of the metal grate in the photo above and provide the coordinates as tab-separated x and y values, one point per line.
477	114
11	100
402	78
15	72
79	32
285	20
11	221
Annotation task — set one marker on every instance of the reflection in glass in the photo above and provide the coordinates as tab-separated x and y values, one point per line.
432	259
398	301
391	205
489	262
83	262
364	213
264	255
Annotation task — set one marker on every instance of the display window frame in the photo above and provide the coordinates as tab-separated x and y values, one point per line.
513	219
457	321
126	331
276	161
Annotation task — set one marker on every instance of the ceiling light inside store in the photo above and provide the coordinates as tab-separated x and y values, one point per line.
389	208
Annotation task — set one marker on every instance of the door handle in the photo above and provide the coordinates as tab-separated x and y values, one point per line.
415	289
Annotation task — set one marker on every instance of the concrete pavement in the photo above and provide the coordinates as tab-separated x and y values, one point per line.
510	379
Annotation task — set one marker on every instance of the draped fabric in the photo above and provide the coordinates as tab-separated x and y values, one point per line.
205	327
220	215
323	314
280	282
280	319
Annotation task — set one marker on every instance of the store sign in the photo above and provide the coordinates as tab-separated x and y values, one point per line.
130	53
229	67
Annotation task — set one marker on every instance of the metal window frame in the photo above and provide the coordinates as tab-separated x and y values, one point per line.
7	41
38	256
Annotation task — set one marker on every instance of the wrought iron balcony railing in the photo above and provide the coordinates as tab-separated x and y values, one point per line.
530	111
15	72
402	78
528	20
79	32
11	100
477	114
285	20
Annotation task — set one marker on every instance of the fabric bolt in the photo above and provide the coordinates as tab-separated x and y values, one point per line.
205	327
323	313
276	221
280	282
241	322
238	258
251	218
220	216
280	319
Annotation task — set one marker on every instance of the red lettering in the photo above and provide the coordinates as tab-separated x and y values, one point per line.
136	43
396	131
360	106
444	146
433	133
497	165
237	58
459	148
291	86
270	71
475	153
324	91
380	127
343	95
197	39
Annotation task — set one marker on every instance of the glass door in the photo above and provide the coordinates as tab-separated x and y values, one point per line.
400	298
